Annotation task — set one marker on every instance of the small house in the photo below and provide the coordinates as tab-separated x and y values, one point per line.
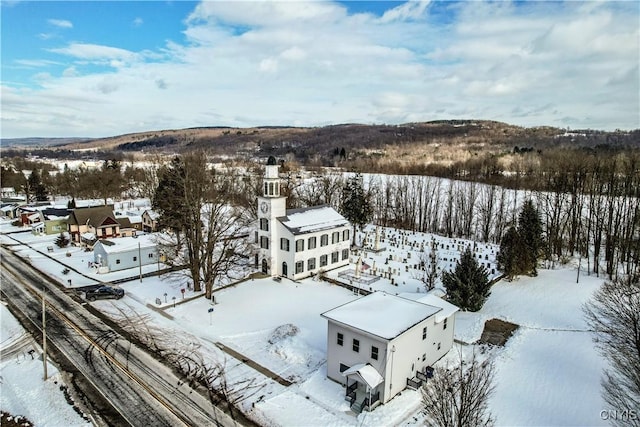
380	344
150	221
124	253
99	221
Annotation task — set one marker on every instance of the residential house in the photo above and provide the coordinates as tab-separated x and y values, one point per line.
297	243
379	344
97	221
150	221
125	253
8	193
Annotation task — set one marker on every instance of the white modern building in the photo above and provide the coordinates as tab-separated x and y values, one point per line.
297	243
379	344
125	252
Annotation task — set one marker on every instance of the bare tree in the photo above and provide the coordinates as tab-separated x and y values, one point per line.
429	265
214	231
614	314
459	396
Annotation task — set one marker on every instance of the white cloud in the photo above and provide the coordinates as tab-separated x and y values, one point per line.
312	63
94	51
413	9
60	23
137	22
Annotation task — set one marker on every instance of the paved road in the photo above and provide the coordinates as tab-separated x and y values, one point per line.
123	383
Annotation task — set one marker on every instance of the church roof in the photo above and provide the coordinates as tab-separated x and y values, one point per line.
316	218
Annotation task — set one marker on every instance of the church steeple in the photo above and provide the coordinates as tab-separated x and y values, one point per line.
271	179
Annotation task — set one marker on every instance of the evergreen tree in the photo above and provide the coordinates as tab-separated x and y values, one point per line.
356	203
62	241
468	286
37	187
71	204
511	255
169	196
530	232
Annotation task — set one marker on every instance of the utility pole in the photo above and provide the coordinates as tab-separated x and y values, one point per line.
44	337
140	261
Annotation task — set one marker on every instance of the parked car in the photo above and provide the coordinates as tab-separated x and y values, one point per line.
104	292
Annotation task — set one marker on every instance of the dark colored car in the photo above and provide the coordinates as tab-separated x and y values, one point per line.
104	292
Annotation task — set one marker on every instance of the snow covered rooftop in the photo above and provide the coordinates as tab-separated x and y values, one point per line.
447	308
124	244
316	218
381	314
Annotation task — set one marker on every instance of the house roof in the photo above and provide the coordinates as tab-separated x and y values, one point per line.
125	244
381	314
316	218
95	216
447	308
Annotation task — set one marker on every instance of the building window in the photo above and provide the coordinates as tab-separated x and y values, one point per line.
264	242
340	339
424	333
424	356
444	326
266	188
356	345
271	188
345	235
117	261
284	244
299	267
311	244
343	367
256	236
135	258
334	257
335	237
299	245
324	240
345	254
323	260
150	255
374	352
311	264
264	224
438	346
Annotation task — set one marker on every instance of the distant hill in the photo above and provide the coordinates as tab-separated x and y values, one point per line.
442	141
38	142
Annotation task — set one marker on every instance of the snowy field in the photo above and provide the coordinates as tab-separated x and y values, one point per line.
548	373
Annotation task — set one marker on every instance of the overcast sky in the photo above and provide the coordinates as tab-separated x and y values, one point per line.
107	68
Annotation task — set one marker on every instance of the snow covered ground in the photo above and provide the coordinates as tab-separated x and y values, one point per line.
23	391
547	374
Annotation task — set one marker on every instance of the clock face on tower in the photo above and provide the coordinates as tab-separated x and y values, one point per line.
264	207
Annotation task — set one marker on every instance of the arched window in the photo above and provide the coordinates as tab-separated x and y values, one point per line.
284	269
264	266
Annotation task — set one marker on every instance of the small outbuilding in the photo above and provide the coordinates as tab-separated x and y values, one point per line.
124	253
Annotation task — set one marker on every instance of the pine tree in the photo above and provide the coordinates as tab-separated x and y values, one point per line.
356	203
37	187
530	232
468	286
511	255
62	241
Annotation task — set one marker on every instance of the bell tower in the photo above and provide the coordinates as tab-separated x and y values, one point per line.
271	205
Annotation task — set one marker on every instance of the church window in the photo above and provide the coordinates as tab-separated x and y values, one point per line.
264	224
323	260
335	237
284	244
324	240
299	245
311	244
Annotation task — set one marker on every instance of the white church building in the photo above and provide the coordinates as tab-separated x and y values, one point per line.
297	243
